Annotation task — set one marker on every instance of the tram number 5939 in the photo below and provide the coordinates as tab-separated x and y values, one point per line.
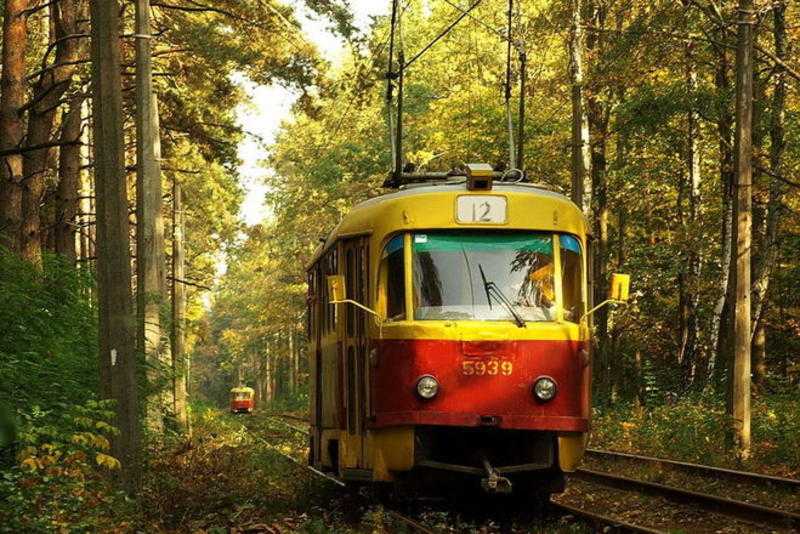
481	209
490	368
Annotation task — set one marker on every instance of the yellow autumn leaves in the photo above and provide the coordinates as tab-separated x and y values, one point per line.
55	458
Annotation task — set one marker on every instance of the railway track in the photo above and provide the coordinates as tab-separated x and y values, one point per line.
597	520
741	510
743	476
745	511
602	523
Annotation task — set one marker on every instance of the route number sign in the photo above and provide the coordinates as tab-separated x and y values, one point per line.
481	209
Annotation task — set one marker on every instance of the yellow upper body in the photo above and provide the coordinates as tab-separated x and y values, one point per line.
436	207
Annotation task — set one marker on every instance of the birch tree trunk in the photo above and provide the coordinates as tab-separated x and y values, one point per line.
87	195
690	301
12	128
581	153
149	222
740	378
179	384
117	354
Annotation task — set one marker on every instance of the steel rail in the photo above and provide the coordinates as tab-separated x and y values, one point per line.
732	473
730	507
603	520
416	525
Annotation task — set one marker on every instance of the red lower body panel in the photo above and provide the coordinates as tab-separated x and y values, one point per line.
481	383
241	406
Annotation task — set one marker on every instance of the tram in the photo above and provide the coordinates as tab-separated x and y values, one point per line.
449	329
242	399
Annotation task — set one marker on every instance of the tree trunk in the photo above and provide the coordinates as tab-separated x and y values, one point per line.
117	354
268	372
47	93
149	222
12	129
599	118
687	355
87	196
178	307
759	350
769	254
720	329
740	377
581	152
69	178
292	367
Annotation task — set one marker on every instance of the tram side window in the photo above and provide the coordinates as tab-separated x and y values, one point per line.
392	262
329	268
571	268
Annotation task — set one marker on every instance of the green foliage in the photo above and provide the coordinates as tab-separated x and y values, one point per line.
48	334
694	430
61	479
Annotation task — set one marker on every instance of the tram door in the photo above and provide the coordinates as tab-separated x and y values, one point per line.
355	253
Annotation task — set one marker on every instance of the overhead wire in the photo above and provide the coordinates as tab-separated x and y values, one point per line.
444	32
513	159
332	138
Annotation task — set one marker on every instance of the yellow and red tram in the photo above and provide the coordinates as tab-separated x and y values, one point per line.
242	399
449	336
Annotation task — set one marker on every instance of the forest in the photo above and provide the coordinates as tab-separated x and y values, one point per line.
134	296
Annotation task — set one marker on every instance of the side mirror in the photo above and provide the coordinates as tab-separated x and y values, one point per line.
618	292
336	288
619	288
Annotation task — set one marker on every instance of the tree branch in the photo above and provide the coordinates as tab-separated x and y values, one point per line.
33	148
189	283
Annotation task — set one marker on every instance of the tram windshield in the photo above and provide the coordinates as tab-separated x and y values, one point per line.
495	276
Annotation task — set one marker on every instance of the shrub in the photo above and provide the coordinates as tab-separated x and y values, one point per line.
60	481
48	334
694	429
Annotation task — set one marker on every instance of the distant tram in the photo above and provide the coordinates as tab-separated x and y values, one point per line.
450	338
242	399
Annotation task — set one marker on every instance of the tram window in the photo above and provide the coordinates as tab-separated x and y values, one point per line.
484	276
329	314
392	264
571	267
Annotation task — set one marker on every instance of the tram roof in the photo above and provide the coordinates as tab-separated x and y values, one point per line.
432	206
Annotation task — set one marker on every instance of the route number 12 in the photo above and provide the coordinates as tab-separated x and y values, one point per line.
481	209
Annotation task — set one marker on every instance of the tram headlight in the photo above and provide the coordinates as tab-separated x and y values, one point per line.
427	387
545	388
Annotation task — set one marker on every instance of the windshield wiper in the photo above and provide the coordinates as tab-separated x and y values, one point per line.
491	288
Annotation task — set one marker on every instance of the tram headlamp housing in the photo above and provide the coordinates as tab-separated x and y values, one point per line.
545	388
427	387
